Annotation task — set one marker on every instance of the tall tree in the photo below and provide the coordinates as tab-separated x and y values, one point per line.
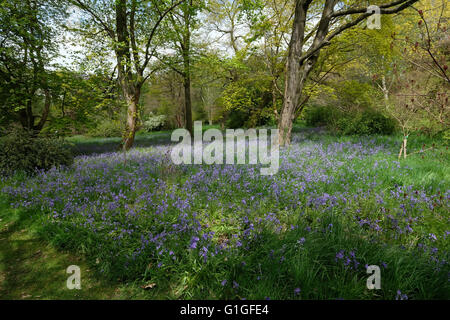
181	24
273	26
27	48
132	27
335	17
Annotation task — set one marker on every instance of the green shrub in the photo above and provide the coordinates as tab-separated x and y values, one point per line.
363	122
108	128
378	123
318	116
248	103
22	151
154	122
236	118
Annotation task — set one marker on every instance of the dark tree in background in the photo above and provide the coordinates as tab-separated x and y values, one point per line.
27	47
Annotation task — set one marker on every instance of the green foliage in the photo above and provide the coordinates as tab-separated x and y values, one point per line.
318	116
107	129
27	32
248	103
22	151
236	119
446	134
154	122
79	101
358	122
365	123
353	93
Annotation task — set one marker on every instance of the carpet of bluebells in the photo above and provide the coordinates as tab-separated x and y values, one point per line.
225	231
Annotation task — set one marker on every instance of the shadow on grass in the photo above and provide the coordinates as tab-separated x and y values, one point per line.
102	145
31	269
87	146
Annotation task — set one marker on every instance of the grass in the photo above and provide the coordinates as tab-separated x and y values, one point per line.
83	145
90	145
30	268
223	232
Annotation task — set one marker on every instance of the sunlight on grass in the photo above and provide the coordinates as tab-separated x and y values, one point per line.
223	232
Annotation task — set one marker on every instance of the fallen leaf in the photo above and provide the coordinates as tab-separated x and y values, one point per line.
148	286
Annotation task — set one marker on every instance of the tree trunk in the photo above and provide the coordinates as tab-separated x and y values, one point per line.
296	72
385	90
405	141
274	99
210	115
27	118
186	52
188	102
131	91
132	99
295	75
45	112
294	86
401	150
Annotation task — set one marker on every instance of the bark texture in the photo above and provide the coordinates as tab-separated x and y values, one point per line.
300	62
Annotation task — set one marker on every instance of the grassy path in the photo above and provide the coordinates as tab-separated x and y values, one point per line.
32	269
